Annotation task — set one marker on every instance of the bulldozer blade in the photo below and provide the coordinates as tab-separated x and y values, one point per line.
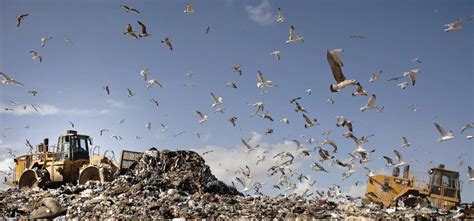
33	178
90	173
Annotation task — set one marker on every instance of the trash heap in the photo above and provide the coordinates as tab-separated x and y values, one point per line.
178	184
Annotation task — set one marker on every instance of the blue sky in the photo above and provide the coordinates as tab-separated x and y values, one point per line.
69	81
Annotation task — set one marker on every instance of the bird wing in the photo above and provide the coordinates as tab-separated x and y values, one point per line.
405	140
200	114
280	13
260	76
307	119
292	33
389	160
125	7
440	129
359	88
143	27
214	98
371	101
129	28
335	67
398	155
5	76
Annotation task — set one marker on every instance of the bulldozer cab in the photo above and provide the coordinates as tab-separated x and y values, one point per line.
444	183
74	146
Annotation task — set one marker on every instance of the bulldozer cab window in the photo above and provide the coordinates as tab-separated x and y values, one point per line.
450	184
82	145
436	182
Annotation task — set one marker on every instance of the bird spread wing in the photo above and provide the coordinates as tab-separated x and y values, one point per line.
292	33
440	129
335	67
143	27
260	76
371	101
398	155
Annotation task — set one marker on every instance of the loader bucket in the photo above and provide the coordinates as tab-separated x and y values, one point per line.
90	173
33	178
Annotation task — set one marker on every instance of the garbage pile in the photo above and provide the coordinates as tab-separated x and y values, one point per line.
178	184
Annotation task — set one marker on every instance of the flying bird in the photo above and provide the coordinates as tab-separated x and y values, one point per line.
202	117
144	72
308	122
103	131
318	167
232	120
20	18
163	127
130	32
216	100
359	90
167	41
231	85
8	80
206	30
276	54
330	142
298	108
143	28
153	82
343	122
189	9
370	103
455	26
399	158
107	89
129	9
467	126
155	102
335	62
356	36
36	56
444	135
262	81
405	142
148	126
470	174
412	75
293	37
33	93
403	85
285	120
72	124
237	69
67	40
130	93
375	76
280	17
248	147
44	40
416	60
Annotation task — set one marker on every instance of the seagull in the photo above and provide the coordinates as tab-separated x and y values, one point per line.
130	93
299	108
36	56
129	9
405	142
330	142
335	62
285	120
167	41
155	102
67	40
370	103
117	137
470	174
237	69
219	110
8	80
324	154
455	26
72	124
29	144
267	116
107	89
232	120
317	167
444	135
231	85
399	158
121	121
293	37
148	126
269	131
343	122
202	117
280	17
308	122
45	40
163	127
403	85
143	28
374	77
179	133
389	161
412	75
260	106
206	30
33	93
216	100
356	36
308	91
152	83
144	72
330	101
130	32
416	60
102	131
262	81
248	147
276	54
20	18
467	126
34	107
245	184
189	74
293	100
359	91
189	9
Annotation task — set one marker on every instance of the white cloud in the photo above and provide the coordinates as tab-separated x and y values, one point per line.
117	104
357	191
260	13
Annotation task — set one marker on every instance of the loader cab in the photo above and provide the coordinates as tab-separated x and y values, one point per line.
74	146
444	183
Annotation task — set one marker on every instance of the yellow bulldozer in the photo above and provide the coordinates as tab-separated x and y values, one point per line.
71	161
440	188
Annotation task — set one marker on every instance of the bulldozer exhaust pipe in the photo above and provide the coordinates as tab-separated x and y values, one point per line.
406	171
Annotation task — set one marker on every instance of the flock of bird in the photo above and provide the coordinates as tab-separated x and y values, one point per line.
284	160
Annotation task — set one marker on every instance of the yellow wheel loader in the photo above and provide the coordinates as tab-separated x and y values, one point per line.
440	188
70	161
